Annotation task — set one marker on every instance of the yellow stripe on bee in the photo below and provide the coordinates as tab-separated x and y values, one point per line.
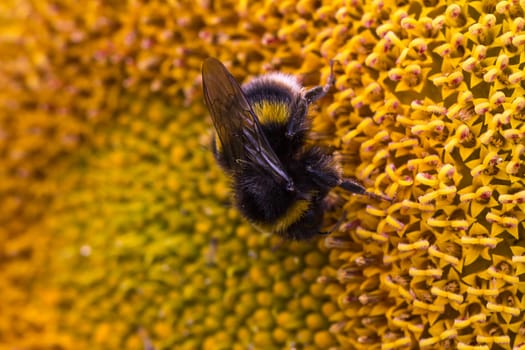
292	215
271	112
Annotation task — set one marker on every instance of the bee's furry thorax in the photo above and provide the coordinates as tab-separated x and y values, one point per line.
279	180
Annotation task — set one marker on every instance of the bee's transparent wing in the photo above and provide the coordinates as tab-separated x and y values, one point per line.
238	128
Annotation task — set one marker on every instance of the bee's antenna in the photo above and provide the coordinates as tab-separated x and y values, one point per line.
318	92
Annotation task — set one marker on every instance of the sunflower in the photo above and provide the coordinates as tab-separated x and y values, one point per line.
117	230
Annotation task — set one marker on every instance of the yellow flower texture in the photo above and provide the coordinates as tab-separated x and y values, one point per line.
117	230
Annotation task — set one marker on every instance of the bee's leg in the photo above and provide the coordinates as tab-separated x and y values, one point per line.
323	176
318	92
355	187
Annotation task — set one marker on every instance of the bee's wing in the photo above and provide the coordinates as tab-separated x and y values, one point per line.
238	128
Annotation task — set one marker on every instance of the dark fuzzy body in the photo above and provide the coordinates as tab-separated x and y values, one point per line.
258	196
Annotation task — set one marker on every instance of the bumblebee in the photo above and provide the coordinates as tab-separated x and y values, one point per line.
279	181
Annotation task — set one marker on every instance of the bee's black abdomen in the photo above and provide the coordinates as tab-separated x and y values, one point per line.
309	225
269	204
259	198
